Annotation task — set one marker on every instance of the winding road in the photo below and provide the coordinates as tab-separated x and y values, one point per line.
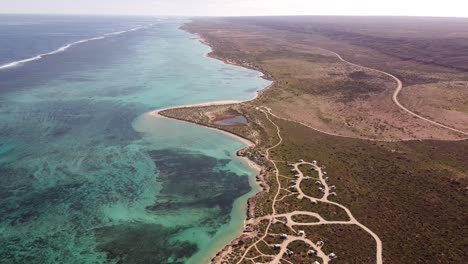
397	92
290	223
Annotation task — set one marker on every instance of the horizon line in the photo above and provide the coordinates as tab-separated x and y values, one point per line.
231	16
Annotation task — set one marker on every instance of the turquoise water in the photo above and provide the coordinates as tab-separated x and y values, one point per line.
87	177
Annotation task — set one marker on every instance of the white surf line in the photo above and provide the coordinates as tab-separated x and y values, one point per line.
64	48
397	92
321	221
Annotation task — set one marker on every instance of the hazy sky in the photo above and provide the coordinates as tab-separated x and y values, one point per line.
240	7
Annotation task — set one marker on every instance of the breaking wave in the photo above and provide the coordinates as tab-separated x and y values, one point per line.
64	48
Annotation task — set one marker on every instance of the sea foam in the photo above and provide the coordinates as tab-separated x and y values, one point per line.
64	48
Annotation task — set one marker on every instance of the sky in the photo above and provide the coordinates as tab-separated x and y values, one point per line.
451	8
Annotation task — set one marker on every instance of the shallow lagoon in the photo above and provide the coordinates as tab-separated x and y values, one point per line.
86	176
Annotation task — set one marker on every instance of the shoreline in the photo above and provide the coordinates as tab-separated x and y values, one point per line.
243	205
210	54
157	114
231	246
256	168
258	182
245	141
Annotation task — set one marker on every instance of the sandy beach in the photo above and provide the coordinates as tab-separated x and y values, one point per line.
242	203
247	142
156	113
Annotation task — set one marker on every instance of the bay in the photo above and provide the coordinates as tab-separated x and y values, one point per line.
87	176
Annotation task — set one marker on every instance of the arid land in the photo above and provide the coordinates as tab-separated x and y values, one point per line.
403	178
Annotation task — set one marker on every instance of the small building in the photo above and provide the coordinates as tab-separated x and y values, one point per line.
313	201
318	183
326	179
301	233
324	173
332	194
312	253
333	187
249	228
321	189
277	246
332	256
289	252
292	170
283	236
315	262
320	243
301	160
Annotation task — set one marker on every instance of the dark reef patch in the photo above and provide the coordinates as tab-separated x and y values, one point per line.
189	180
194	180
143	243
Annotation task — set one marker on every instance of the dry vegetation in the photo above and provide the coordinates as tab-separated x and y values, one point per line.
314	87
444	102
412	194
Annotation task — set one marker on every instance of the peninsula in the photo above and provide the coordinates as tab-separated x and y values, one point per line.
361	137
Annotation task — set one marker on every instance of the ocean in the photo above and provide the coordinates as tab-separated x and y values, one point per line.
86	175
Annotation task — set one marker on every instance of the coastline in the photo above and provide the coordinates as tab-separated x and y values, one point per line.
243	205
157	114
210	54
258	183
380	152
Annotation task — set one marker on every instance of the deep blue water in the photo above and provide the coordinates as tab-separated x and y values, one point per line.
85	175
24	36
